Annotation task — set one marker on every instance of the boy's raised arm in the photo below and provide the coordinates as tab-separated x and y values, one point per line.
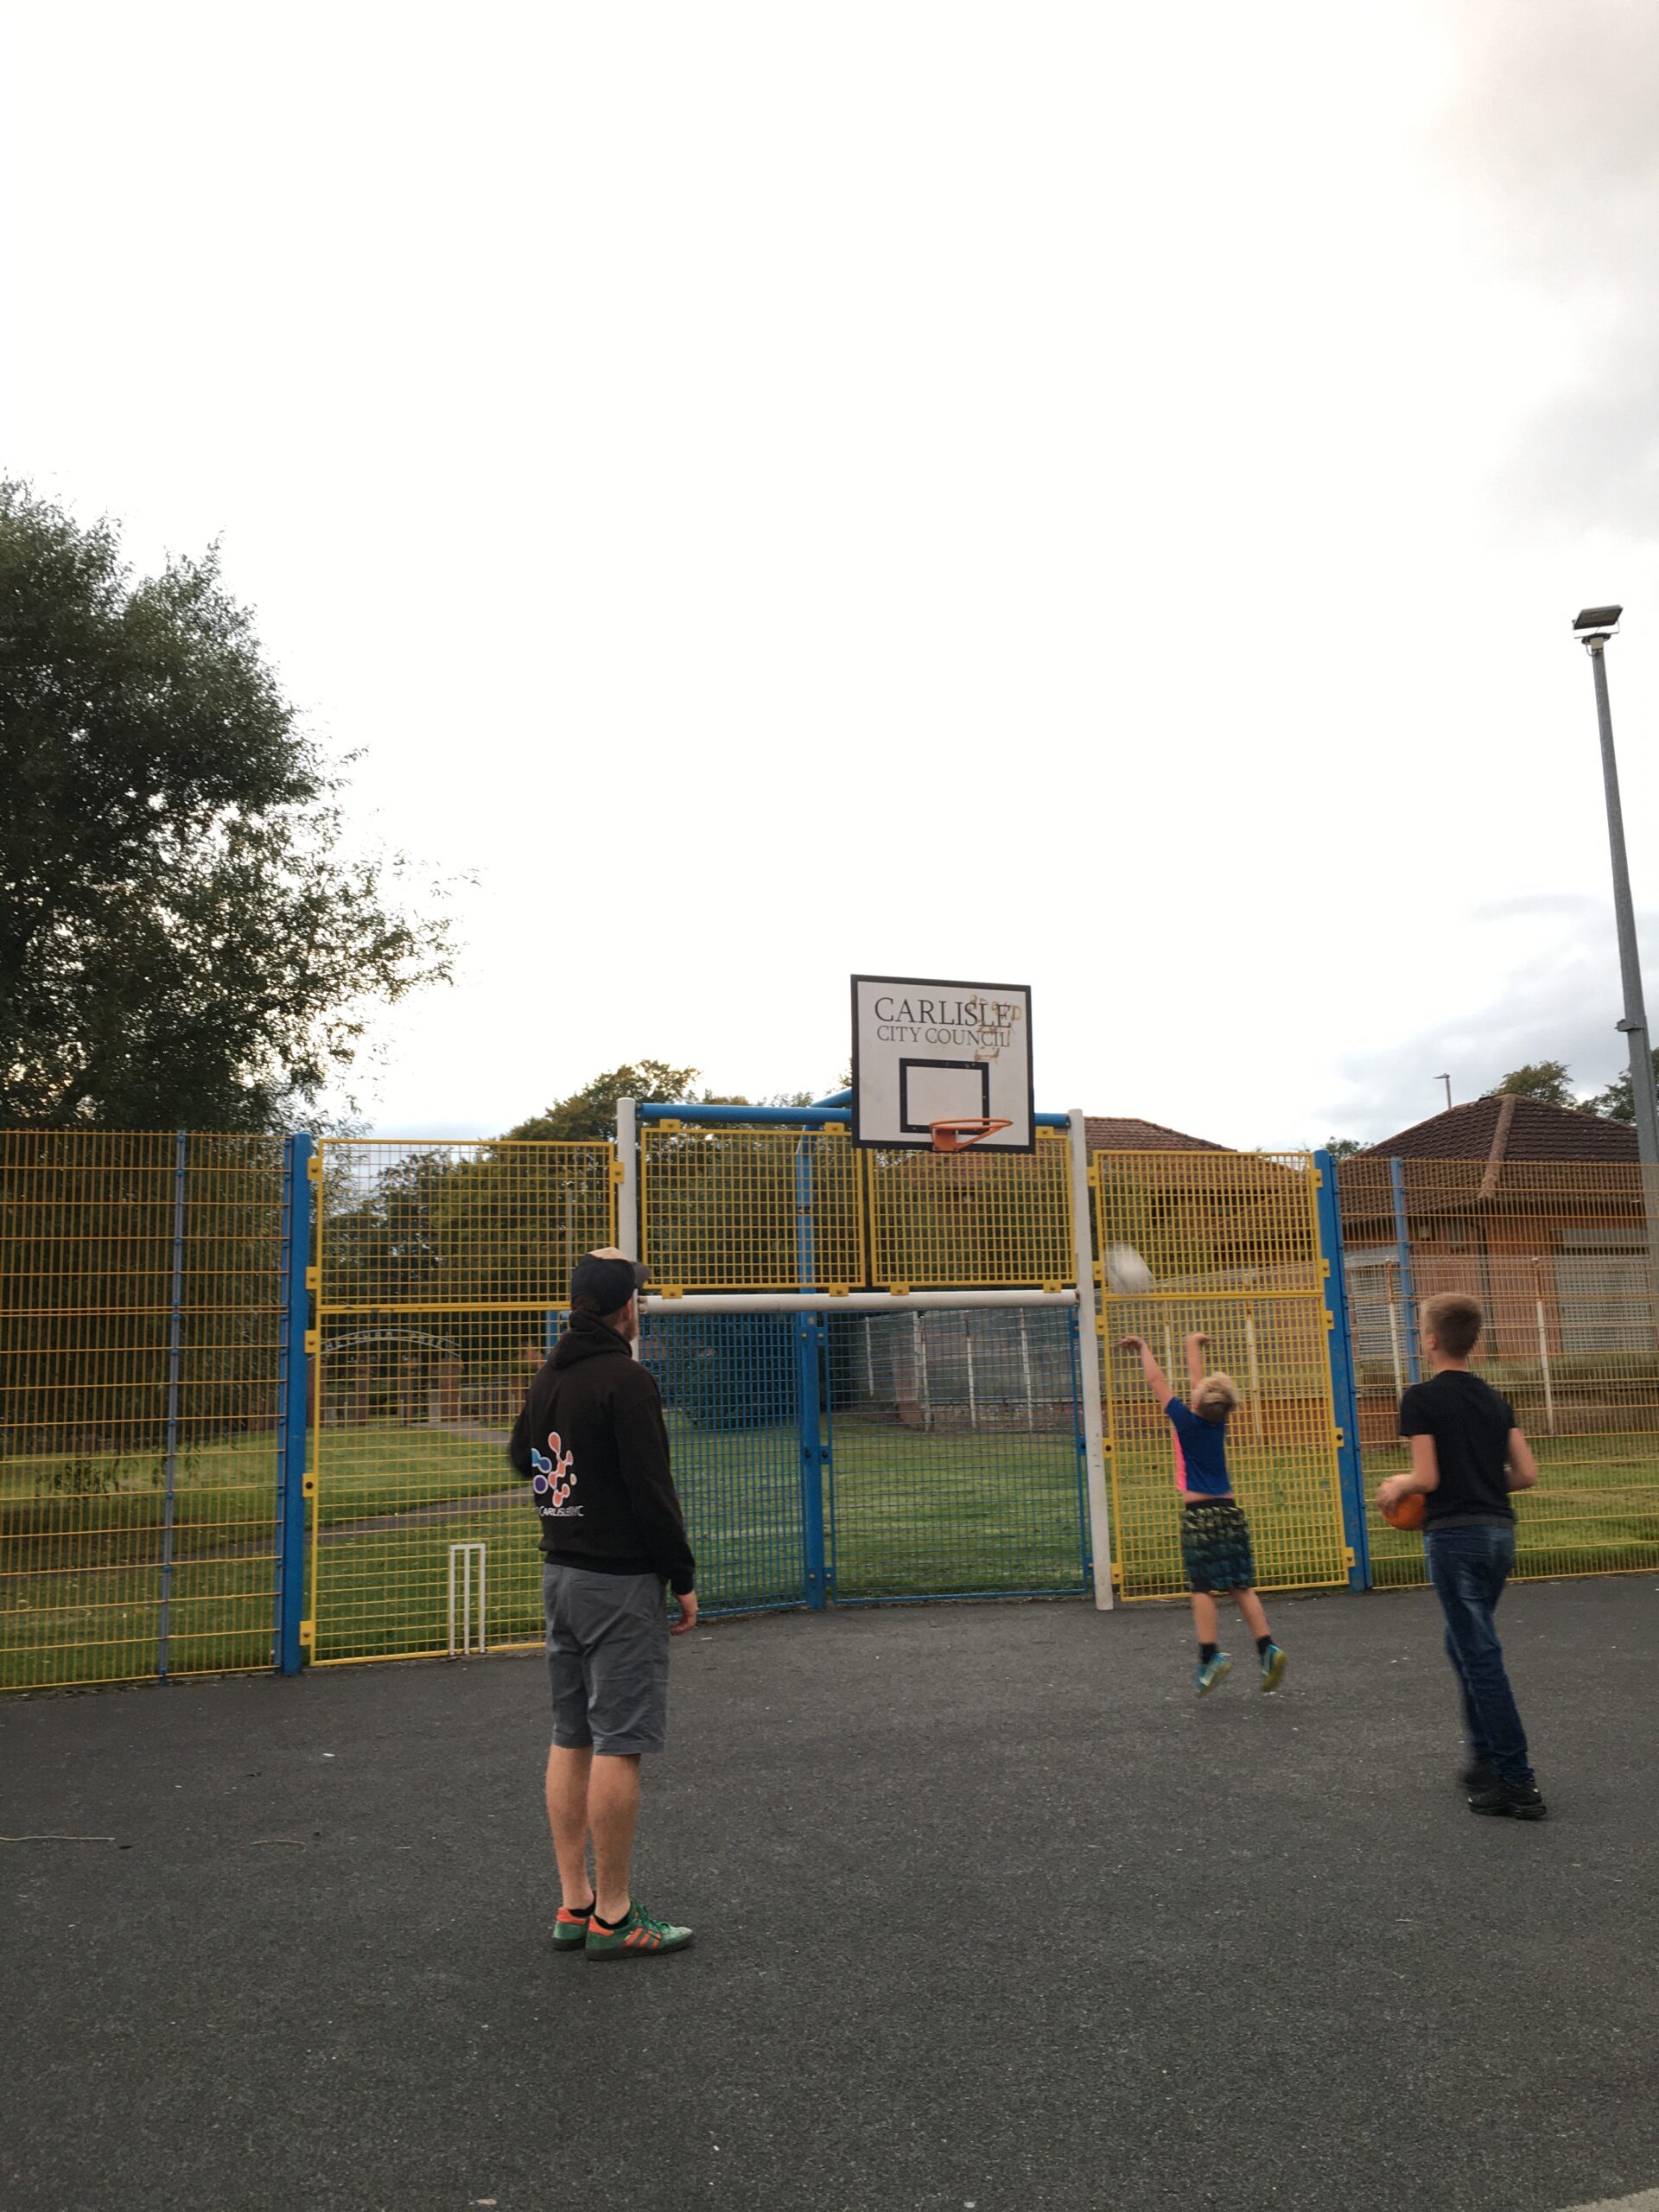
1149	1368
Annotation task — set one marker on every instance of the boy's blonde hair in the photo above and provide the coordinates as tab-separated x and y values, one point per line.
1215	1397
1456	1320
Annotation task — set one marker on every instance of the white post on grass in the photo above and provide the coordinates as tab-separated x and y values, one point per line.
1025	1369
1394	1326
1094	1445
464	1557
1543	1343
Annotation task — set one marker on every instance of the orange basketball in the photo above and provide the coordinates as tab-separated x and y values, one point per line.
1407	1512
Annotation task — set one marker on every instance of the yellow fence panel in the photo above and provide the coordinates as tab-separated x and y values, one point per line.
1231	1242
1556	1254
756	1208
440	1268
140	1303
972	1219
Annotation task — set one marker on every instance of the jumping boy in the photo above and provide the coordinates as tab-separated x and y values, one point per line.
1215	1536
1467	1455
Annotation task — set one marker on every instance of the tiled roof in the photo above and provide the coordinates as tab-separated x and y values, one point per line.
1124	1132
1535	1132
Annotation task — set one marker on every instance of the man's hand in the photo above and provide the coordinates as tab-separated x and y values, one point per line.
688	1620
1389	1493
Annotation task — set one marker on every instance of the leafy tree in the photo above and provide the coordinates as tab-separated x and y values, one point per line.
1617	1101
184	937
1343	1147
1547	1081
591	1111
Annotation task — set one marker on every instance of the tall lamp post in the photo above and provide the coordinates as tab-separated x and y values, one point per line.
1593	627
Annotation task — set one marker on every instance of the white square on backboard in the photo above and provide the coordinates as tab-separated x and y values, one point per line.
929	1052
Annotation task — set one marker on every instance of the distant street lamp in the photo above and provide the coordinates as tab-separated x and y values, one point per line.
1593	627
1447	1080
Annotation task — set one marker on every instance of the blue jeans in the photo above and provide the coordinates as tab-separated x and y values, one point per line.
1469	1567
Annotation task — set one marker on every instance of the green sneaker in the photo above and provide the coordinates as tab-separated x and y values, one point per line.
1274	1663
638	1937
1211	1671
571	1929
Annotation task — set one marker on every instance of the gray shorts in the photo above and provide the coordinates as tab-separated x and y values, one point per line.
607	1659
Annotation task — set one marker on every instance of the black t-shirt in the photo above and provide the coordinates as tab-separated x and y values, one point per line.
1471	1425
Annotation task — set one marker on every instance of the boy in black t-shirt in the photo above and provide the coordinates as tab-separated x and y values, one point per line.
1467	1455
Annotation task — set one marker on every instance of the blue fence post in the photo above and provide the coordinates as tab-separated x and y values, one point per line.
293	1402
175	1373
1345	1394
809	1340
1080	1442
1402	1260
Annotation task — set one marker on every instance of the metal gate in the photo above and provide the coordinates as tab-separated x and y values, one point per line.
860	1458
955	1454
1232	1241
440	1270
732	1398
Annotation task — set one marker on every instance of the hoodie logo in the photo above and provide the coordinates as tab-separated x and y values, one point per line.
554	1479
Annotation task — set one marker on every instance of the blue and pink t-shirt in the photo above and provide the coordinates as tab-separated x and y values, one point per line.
1200	1452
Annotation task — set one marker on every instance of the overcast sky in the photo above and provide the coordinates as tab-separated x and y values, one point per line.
1085	496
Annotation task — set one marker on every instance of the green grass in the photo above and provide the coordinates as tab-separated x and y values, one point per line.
949	1515
1595	1511
81	1578
940	1513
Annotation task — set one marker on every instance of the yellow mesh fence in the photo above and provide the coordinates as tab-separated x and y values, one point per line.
1231	1244
440	1268
139	1312
1557	1255
763	1209
750	1208
972	1219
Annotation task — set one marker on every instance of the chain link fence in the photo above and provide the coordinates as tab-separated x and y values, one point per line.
1557	1255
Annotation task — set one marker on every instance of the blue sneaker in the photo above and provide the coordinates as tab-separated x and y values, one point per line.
1273	1668
1211	1671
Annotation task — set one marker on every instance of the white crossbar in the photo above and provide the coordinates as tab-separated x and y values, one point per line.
855	1301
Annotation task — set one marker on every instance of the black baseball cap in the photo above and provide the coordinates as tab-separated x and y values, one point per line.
609	1283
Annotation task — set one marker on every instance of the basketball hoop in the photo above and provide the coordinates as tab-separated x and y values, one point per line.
959	1131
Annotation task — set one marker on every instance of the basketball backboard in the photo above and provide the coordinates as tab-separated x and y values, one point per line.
925	1052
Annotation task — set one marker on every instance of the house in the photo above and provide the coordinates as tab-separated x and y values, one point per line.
1498	1130
1124	1132
1535	1210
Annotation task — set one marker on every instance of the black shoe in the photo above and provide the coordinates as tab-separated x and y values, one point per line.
1513	1801
1478	1775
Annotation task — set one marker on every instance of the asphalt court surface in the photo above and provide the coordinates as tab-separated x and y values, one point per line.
992	1913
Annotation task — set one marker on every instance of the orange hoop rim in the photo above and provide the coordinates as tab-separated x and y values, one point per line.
956	1132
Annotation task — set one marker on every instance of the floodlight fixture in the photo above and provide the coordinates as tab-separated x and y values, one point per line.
1595	625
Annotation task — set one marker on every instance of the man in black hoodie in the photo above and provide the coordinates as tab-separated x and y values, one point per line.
592	1445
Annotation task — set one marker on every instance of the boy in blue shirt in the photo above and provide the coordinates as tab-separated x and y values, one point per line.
1215	1536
